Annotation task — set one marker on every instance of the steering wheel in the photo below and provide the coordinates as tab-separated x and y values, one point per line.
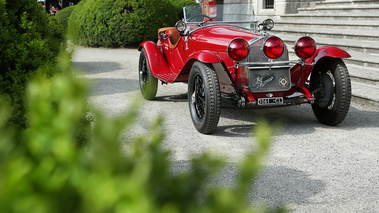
201	15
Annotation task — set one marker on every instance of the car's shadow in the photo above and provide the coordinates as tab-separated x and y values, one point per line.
172	98
93	67
104	86
289	118
299	119
275	185
109	86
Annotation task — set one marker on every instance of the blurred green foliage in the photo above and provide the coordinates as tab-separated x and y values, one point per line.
121	23
30	41
42	169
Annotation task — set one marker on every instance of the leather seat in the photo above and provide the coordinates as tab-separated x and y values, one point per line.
173	36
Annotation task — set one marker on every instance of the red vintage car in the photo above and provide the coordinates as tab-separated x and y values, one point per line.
225	54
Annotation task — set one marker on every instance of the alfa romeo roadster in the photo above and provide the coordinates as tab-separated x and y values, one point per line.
224	54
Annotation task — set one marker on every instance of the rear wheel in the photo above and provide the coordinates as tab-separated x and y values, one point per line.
204	97
332	89
147	82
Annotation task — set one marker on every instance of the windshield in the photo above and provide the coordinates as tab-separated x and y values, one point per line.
236	14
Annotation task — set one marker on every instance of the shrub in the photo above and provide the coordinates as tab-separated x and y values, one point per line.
41	169
119	23
63	17
29	43
179	4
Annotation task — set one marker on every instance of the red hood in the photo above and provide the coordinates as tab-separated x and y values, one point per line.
219	36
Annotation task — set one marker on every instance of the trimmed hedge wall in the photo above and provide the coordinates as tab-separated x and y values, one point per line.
121	23
63	16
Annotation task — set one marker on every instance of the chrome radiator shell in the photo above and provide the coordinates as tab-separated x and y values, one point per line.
267	75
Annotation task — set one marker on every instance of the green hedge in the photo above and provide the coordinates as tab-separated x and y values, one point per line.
30	40
179	4
63	16
121	23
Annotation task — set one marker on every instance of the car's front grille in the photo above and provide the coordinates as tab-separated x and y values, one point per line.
264	78
256	53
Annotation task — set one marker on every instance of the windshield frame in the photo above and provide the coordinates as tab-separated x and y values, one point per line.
250	24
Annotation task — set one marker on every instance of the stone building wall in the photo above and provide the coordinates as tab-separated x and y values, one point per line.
280	7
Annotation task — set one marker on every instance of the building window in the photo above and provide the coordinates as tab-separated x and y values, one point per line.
268	4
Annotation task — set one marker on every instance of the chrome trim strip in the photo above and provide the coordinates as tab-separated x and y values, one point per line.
269	63
224	22
255	40
213	24
271	67
273	63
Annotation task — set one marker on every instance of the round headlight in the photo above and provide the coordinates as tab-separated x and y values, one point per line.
268	24
181	26
305	47
238	49
273	47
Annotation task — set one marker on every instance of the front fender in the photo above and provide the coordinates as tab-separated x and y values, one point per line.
206	56
155	59
300	74
327	51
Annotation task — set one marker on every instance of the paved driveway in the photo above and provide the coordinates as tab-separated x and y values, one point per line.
313	167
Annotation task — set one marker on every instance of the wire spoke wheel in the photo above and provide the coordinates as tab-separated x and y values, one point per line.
199	97
143	75
147	82
328	89
204	97
333	92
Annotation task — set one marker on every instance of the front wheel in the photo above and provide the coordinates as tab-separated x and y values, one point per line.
147	82
204	97
332	88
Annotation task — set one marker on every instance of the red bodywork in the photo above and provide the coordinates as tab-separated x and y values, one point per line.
171	59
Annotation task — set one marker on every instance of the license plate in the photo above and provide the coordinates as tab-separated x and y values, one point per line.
270	101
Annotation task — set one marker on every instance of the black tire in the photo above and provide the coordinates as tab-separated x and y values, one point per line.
331	83
147	82
204	97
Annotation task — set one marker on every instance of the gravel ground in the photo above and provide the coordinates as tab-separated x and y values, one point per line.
311	167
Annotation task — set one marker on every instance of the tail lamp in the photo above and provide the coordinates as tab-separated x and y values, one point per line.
273	47
305	47
238	49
